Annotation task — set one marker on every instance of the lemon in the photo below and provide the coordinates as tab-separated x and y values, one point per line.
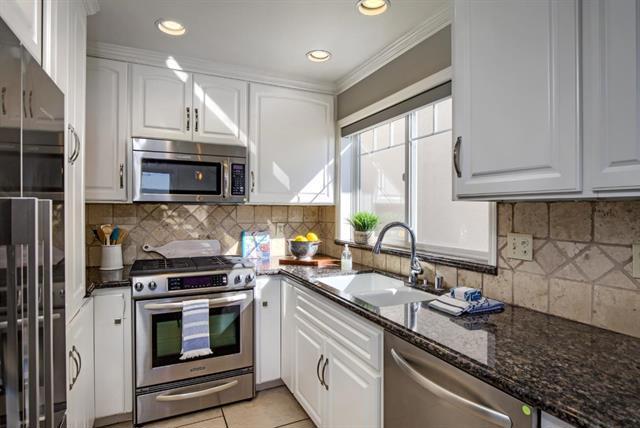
312	237
300	238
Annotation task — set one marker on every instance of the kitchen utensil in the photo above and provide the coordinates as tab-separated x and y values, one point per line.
123	235
108	230
101	236
115	234
187	248
303	250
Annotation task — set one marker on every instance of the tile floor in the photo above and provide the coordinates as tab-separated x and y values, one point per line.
272	408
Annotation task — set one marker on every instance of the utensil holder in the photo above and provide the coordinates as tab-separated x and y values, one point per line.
111	257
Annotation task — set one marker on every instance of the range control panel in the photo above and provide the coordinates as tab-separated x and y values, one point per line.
189	283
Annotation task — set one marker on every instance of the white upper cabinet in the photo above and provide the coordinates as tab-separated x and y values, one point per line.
220	110
161	103
291	146
612	94
24	17
516	99
10	105
106	129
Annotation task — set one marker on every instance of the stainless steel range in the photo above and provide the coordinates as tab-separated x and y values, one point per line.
166	386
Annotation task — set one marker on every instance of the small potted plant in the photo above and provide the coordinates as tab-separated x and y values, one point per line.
363	223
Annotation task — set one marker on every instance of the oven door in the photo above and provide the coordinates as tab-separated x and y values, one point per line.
158	337
179	177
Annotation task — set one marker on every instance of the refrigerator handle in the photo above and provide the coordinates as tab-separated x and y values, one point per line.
44	223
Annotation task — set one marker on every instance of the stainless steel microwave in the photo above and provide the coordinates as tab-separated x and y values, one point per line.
182	171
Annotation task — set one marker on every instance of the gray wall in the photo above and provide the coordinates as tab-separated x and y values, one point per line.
424	59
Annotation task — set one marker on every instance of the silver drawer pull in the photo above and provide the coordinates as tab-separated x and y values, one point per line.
178	305
196	394
5	324
484	412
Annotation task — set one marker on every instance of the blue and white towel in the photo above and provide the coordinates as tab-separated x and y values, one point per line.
195	329
457	307
467	294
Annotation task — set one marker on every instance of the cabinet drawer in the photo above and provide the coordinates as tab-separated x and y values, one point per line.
362	339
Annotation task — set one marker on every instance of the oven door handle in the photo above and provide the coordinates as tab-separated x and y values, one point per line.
197	394
212	302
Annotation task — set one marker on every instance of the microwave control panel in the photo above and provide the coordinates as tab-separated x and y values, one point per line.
238	179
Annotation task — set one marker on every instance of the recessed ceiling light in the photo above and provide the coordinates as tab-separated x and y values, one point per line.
171	27
372	7
318	55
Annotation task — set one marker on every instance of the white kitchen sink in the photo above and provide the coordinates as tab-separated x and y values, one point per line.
376	289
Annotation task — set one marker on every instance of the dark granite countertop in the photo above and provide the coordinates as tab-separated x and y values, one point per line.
584	375
97	279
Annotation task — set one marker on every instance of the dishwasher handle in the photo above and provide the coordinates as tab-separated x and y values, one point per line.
484	412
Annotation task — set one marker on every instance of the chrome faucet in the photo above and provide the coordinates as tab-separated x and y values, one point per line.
416	268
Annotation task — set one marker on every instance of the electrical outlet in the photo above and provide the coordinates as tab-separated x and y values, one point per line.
520	246
636	260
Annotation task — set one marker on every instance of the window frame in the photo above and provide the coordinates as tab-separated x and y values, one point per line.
425	250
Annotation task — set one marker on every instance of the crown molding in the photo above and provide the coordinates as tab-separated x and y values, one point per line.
91	6
426	29
198	65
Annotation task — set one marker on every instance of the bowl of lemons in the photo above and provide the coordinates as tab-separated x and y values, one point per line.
304	247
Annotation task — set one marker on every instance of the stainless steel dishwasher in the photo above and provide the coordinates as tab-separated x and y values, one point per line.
423	391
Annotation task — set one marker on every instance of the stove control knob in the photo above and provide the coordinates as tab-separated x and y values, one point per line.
153	285
139	286
237	280
248	279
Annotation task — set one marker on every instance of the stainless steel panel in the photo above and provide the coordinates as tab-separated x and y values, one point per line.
147	375
175	401
421	390
44	232
188	147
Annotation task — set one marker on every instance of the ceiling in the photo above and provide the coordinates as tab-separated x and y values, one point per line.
268	35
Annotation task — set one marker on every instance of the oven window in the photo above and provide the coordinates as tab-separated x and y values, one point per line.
224	335
181	177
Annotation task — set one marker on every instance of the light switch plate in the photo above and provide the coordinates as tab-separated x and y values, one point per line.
636	260
520	246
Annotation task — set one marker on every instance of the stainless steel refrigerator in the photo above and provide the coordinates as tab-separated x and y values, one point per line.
32	319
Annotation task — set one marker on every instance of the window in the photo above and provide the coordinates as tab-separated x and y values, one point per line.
400	169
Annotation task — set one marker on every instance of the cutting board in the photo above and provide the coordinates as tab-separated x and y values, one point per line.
186	248
319	261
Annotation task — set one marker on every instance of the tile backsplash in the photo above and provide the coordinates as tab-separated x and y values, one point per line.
158	224
582	266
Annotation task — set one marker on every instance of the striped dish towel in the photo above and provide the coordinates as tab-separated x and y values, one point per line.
195	329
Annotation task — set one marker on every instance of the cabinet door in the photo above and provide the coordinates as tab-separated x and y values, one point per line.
42	106
10	84
24	17
106	130
220	110
80	369
353	390
267	296
612	93
291	146
515	91
110	355
161	103
308	360
74	172
288	307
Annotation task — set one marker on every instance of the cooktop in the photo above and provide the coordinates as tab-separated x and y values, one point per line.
189	264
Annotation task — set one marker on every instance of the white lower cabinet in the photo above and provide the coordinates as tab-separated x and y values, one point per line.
338	381
267	331
80	369
112	326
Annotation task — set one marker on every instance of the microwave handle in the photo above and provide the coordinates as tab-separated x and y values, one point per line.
212	302
225	180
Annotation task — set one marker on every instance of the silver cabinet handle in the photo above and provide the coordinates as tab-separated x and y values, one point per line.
188	118
197	394
318	369
195	111
73	376
122	176
76	145
225	179
178	305
253	182
31	104
4	95
79	360
484	412
456	156
24	103
324	369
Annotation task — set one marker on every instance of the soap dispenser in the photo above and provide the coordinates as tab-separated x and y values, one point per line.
345	260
